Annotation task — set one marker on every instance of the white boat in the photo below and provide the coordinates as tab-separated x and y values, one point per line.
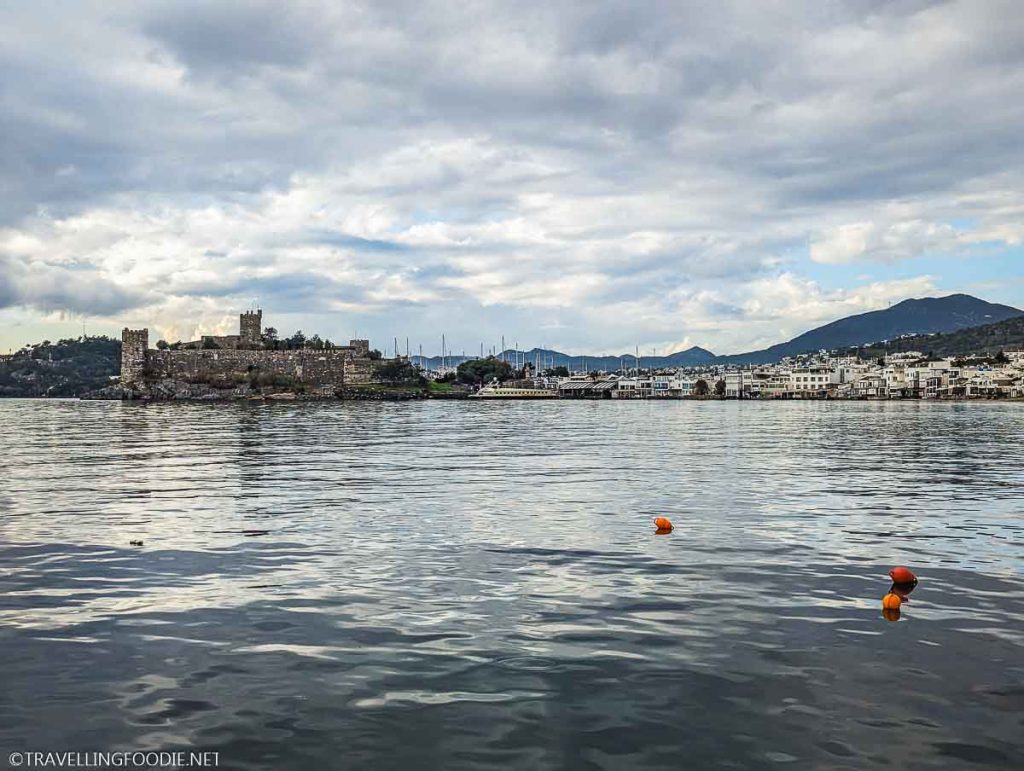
494	391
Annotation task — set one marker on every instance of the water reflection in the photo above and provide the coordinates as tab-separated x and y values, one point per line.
452	585
898	594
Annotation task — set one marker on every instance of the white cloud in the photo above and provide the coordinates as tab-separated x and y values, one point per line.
602	173
860	241
780	307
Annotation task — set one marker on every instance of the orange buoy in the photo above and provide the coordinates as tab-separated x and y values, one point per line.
902	575
891	601
664	524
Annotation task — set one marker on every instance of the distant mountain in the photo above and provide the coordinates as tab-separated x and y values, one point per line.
545	358
987	339
928	315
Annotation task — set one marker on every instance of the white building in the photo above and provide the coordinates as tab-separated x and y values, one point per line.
737	384
812	381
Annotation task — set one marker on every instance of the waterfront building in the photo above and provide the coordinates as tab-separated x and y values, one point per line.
906	375
737	384
812	381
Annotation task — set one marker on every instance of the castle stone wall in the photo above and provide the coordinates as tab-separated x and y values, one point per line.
217	341
134	345
359	371
235	359
250	329
318	369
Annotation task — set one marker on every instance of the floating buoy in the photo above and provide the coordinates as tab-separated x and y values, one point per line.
902	575
903	590
135	543
891	601
663	524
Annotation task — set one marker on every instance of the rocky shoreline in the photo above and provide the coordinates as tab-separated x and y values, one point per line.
178	390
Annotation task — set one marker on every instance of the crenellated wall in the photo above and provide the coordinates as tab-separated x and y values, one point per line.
317	369
235	359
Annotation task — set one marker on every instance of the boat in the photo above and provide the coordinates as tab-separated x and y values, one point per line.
495	391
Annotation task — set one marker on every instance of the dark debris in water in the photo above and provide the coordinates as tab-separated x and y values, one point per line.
974	753
248	533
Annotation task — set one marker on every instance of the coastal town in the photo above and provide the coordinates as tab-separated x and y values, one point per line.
904	375
257	363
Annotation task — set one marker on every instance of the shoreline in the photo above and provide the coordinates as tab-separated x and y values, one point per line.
291	398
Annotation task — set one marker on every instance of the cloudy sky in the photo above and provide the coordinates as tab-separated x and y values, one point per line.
585	176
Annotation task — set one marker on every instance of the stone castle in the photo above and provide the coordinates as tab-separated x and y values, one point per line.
229	358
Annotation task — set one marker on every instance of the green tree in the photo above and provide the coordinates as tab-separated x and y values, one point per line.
397	371
208	343
559	371
701	388
482	371
295	342
720	388
162	345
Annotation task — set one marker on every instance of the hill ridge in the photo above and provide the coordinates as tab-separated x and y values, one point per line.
925	315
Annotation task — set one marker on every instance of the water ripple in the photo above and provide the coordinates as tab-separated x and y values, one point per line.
479	585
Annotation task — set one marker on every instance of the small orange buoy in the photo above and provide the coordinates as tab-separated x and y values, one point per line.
902	575
891	601
663	524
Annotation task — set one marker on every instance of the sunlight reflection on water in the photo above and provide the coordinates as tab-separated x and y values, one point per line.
458	585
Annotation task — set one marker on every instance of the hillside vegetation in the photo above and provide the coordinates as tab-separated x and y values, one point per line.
920	317
987	339
66	368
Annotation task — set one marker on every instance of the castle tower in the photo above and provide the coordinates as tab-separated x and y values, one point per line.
361	348
134	344
250	329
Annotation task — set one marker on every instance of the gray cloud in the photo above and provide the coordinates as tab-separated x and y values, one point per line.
234	37
49	288
498	158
